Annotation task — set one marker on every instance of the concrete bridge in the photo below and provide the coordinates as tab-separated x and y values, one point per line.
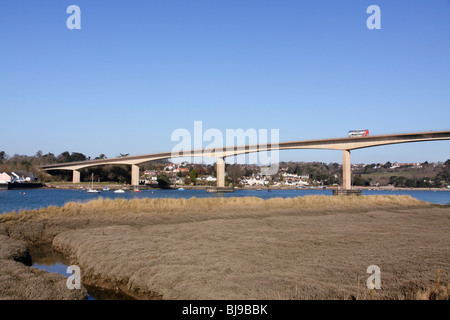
343	144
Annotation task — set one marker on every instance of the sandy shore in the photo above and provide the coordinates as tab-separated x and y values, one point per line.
313	247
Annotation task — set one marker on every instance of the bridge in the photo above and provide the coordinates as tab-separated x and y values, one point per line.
346	145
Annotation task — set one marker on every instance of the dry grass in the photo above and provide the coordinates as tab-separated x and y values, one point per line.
433	293
121	207
314	247
271	257
17	281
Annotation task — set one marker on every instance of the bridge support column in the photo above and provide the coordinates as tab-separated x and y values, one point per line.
220	168
346	170
76	176
134	175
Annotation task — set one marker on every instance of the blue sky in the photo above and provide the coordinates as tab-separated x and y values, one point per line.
138	70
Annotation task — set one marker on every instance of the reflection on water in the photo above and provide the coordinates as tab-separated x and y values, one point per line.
45	258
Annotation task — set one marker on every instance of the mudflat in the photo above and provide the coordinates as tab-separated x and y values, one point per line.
314	247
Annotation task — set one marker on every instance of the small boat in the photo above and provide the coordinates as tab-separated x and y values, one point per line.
258	189
91	188
105	188
136	190
119	191
181	189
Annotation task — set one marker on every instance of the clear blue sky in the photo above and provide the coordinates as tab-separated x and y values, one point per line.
138	70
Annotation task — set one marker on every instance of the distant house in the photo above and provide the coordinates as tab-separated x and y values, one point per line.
416	164
150	177
23	176
170	167
295	180
394	166
151	173
255	180
207	178
5	178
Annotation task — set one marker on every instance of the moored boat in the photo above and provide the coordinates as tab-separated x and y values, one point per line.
91	187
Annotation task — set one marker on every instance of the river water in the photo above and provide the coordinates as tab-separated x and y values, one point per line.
38	198
45	258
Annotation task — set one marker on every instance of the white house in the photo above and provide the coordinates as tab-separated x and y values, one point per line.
23	176
255	181
295	180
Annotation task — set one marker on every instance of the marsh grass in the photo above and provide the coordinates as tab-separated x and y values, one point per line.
120	207
312	247
433	293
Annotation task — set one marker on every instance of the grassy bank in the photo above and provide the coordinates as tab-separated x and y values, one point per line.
210	206
18	281
313	247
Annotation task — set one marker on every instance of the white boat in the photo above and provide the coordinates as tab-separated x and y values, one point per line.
91	188
105	188
119	191
181	189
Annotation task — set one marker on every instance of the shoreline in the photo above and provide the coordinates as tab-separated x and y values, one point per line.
204	187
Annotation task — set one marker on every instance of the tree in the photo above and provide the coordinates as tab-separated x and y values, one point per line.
76	156
25	164
39	154
63	157
410	183
193	174
123	155
234	173
447	163
163	180
50	157
101	156
358	180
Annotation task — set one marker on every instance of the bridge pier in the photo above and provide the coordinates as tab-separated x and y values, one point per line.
76	176
134	175
220	169
346	171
